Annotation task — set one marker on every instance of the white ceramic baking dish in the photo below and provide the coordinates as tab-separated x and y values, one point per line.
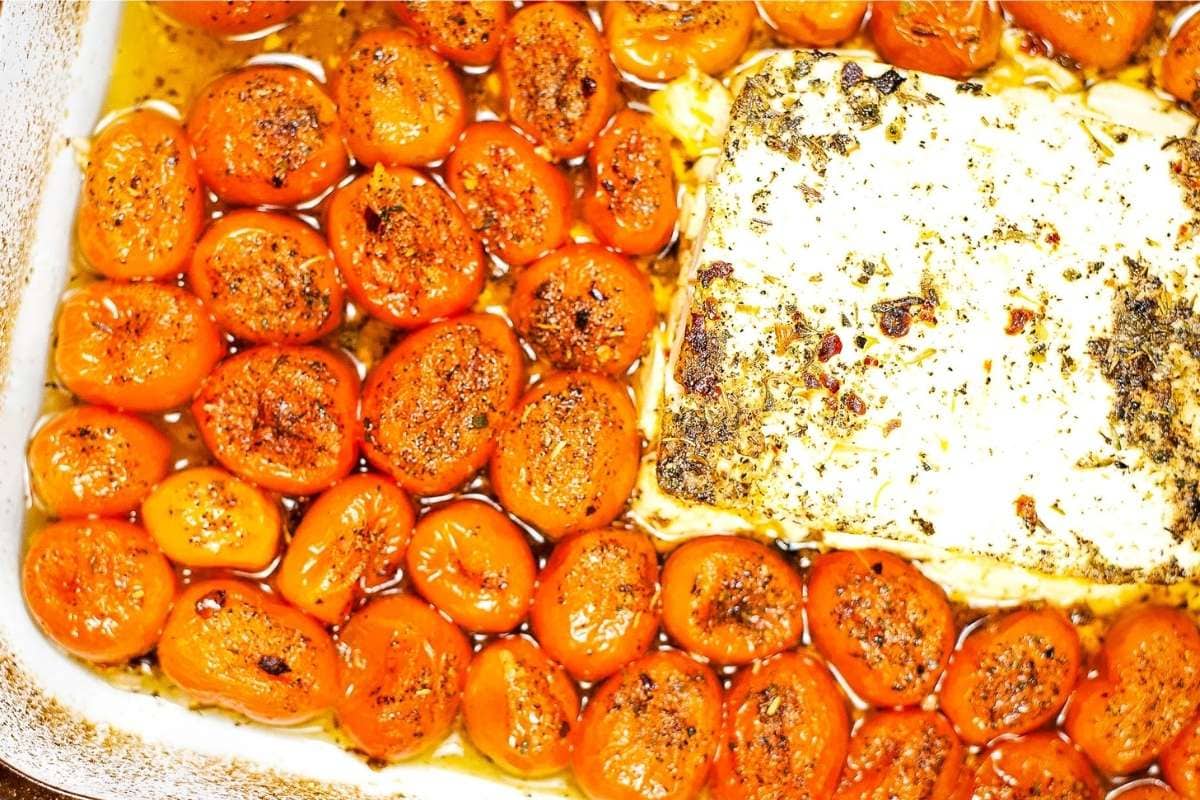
61	724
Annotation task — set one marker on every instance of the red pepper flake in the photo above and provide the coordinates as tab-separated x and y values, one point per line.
870	361
1018	318
1027	511
895	322
855	403
831	345
830	383
896	316
1053	238
717	269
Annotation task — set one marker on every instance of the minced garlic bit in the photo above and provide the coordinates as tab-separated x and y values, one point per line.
695	109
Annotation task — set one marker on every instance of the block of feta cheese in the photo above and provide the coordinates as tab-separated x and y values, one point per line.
951	324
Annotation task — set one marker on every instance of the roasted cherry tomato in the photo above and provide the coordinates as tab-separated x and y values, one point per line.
432	407
596	604
1145	790
403	670
465	32
1103	33
400	103
945	37
1146	692
659	41
584	307
784	731
630	201
520	708
731	600
474	564
140	347
267	278
407	253
902	755
142	205
267	135
1181	63
567	457
1011	675
230	644
206	517
90	460
649	731
517	201
559	85
98	588
886	627
1040	765
814	23
231	17
1180	761
352	539
285	418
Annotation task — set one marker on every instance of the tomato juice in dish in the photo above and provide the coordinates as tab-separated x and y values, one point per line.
391	393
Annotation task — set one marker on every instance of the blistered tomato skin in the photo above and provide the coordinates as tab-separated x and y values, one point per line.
517	201
520	708
596	607
432	408
92	460
559	84
659	41
1146	692
649	731
406	252
886	627
1011	675
731	600
1180	761
630	201
1095	34
399	102
784	731
230	644
566	459
402	676
285	418
1181	63
465	32
474	565
137	347
955	39
352	538
267	135
1040	765
814	23
206	517
231	17
100	589
142	205
909	754
267	278
584	307
1149	790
